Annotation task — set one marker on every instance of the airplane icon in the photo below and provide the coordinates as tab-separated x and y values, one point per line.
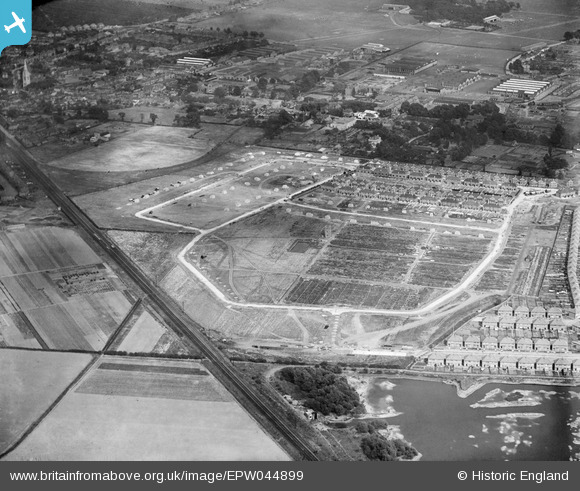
17	23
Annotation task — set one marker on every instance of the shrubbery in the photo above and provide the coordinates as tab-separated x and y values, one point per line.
324	390
377	447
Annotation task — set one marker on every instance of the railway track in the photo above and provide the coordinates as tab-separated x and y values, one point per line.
185	327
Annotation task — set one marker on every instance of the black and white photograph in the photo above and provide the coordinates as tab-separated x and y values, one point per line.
290	230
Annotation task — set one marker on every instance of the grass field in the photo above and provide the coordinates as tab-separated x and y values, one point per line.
32	380
151	148
155	253
489	60
273	177
109	12
162	410
145	333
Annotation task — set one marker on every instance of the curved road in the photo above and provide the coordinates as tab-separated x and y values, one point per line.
219	365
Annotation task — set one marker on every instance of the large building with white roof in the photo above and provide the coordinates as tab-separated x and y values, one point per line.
522	88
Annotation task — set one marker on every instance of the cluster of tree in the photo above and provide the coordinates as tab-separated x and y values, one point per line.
358	106
371	427
543	65
464	11
98	112
323	389
569	35
273	125
307	82
516	67
495	126
191	119
377	447
231	47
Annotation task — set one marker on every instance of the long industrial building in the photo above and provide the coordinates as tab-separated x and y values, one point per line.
524	89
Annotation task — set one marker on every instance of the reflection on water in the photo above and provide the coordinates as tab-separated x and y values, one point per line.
540	423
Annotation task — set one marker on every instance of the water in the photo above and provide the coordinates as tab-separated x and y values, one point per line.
544	425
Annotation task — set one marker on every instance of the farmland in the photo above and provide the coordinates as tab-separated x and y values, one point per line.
133	392
32	381
145	332
55	293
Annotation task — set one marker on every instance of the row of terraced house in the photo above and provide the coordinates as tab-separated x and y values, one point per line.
496	362
453	177
508	343
383	190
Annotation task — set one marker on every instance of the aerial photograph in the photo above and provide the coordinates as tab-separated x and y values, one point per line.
290	230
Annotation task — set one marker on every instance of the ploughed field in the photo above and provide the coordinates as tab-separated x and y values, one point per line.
55	293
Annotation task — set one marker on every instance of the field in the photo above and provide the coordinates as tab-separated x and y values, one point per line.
245	325
489	60
272	177
109	12
145	332
326	292
154	253
304	259
40	249
55	293
116	207
151	404
32	381
151	148
344	24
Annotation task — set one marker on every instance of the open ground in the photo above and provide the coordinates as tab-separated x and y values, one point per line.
151	148
163	410
31	382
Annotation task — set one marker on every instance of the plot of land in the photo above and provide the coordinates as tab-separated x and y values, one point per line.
155	253
85	323
145	333
55	293
31	382
150	148
276	178
40	249
151	403
325	292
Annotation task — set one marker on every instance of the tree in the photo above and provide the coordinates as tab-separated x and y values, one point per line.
219	93
516	67
98	112
262	83
122	116
192	118
557	136
153	118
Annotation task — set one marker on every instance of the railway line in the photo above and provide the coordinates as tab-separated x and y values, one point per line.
219	364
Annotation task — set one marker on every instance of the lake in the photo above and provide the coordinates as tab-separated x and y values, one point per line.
496	422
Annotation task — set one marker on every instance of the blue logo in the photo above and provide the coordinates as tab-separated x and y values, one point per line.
15	22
